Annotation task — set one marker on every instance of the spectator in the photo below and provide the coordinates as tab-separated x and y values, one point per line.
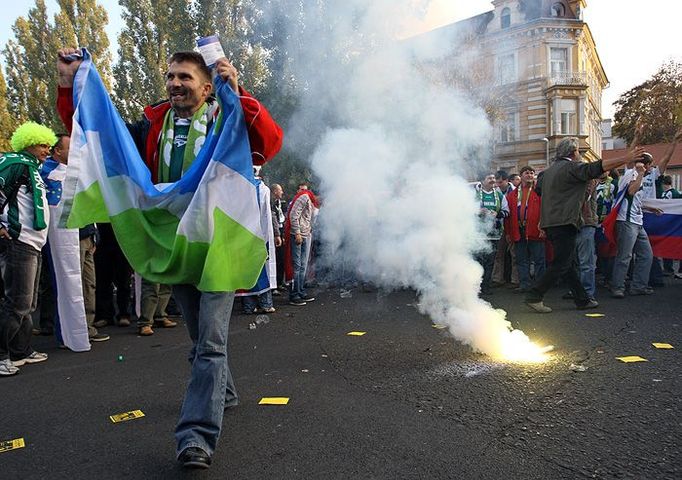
605	192
278	207
515	179
632	238
207	314
24	218
562	187
585	243
505	258
111	270
493	209
298	233
522	228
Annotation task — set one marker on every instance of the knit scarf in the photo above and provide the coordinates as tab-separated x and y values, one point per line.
37	186
195	139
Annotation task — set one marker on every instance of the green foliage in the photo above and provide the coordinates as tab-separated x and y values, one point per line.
7	124
656	104
30	59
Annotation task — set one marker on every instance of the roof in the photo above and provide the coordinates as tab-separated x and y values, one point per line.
657	150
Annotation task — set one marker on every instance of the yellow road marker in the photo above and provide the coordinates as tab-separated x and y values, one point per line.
273	401
438	326
356	334
632	359
663	346
595	315
124	417
7	445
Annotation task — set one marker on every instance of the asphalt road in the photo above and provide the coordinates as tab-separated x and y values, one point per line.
404	401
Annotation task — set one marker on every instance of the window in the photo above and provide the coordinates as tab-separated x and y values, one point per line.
558	10
558	60
506	68
508	129
568	117
505	18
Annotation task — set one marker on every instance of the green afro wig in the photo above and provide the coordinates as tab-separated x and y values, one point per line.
31	133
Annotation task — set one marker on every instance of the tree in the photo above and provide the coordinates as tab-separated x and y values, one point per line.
152	32
81	23
30	58
656	104
7	123
234	22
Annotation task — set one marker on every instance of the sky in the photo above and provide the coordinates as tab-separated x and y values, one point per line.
633	39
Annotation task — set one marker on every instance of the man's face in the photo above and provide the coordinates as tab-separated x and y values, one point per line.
516	181
488	182
527	177
41	152
302	187
502	183
278	192
61	150
187	88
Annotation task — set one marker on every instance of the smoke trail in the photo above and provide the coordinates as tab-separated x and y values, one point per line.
392	150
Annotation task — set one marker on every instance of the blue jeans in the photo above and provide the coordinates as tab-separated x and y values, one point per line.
251	302
587	259
21	275
210	387
632	239
299	259
527	252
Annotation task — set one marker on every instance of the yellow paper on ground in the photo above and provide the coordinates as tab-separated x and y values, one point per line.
439	327
273	401
595	315
8	445
124	417
663	346
632	359
356	334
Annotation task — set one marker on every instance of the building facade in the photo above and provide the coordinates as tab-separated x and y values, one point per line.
545	75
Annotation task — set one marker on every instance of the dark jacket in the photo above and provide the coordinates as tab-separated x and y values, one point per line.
563	187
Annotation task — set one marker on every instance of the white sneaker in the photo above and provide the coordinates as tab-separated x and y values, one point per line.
7	368
678	275
35	357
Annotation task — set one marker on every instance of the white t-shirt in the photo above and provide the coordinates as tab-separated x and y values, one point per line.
631	208
649	183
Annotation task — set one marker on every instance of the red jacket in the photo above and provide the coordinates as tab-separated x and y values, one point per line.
265	136
511	223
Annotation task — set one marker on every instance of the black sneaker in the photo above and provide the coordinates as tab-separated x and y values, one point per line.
194	457
308	298
99	337
591	303
298	301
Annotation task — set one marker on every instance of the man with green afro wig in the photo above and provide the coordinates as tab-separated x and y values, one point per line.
24	218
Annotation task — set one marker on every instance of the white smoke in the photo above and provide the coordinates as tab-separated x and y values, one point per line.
393	150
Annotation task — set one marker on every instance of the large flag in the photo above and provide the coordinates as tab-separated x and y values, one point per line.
665	231
203	230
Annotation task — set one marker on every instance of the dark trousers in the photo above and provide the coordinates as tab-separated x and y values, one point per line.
563	266
487	261
21	274
111	268
279	260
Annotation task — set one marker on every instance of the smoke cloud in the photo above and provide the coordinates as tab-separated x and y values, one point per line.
393	147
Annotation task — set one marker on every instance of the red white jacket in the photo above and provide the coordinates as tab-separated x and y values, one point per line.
511	223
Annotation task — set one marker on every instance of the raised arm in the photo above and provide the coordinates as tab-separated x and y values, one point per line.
663	163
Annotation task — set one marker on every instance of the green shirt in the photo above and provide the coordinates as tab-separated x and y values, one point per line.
178	152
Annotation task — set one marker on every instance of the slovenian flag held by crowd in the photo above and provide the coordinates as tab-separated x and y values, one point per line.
665	231
203	230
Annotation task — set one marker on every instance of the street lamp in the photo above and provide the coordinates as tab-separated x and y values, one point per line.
546	140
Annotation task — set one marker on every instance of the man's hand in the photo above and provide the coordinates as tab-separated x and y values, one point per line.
278	241
228	73
657	211
542	233
4	234
634	153
639	166
298	239
67	68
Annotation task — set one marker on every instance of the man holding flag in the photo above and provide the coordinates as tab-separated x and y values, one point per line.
190	144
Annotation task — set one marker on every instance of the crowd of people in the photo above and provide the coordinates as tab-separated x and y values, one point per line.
546	227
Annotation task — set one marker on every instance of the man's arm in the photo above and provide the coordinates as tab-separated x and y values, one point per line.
663	163
636	183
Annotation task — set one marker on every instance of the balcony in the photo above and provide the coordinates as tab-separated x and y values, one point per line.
568	79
